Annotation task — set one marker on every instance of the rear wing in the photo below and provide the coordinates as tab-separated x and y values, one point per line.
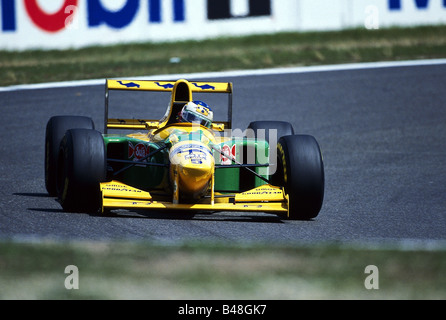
163	86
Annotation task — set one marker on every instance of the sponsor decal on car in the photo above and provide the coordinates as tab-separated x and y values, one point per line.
204	87
129	84
230	153
190	149
194	152
138	152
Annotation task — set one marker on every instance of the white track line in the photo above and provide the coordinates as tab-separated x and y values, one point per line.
235	73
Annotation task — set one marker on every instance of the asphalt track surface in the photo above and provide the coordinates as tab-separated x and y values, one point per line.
382	133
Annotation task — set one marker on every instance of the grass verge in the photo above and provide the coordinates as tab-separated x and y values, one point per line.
148	271
250	52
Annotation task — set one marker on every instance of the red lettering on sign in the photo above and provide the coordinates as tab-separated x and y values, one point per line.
50	22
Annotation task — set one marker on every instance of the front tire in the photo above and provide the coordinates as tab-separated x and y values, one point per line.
55	130
302	174
82	166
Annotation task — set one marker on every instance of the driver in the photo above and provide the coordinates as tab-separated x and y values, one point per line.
196	112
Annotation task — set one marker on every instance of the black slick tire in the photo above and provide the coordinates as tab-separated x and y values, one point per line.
282	128
81	168
55	130
301	172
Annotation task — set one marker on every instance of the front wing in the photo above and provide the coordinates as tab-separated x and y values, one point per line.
266	198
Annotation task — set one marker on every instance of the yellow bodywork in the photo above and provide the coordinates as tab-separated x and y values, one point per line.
192	174
191	167
266	198
182	92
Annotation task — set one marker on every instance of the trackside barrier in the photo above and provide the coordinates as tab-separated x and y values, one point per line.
60	24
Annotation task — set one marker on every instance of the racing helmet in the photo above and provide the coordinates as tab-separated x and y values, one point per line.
197	112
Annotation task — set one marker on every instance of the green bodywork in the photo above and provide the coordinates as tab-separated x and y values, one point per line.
156	175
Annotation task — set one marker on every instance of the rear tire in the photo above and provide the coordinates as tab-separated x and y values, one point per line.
82	166
301	172
55	130
282	128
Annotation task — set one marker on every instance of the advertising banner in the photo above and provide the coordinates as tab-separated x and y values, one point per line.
62	24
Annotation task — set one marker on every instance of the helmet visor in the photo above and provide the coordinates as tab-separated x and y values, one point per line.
192	117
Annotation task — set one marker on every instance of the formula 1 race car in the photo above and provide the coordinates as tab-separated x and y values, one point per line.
185	161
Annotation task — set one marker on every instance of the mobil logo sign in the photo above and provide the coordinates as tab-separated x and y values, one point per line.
57	15
414	12
419	4
60	24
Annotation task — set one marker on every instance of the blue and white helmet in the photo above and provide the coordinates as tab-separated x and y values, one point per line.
197	112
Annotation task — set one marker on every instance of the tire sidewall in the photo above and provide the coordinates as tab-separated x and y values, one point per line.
55	130
302	175
81	168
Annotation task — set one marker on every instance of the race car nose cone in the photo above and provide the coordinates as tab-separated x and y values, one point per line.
193	179
194	164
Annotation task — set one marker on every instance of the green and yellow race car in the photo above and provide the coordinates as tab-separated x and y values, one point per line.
185	161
